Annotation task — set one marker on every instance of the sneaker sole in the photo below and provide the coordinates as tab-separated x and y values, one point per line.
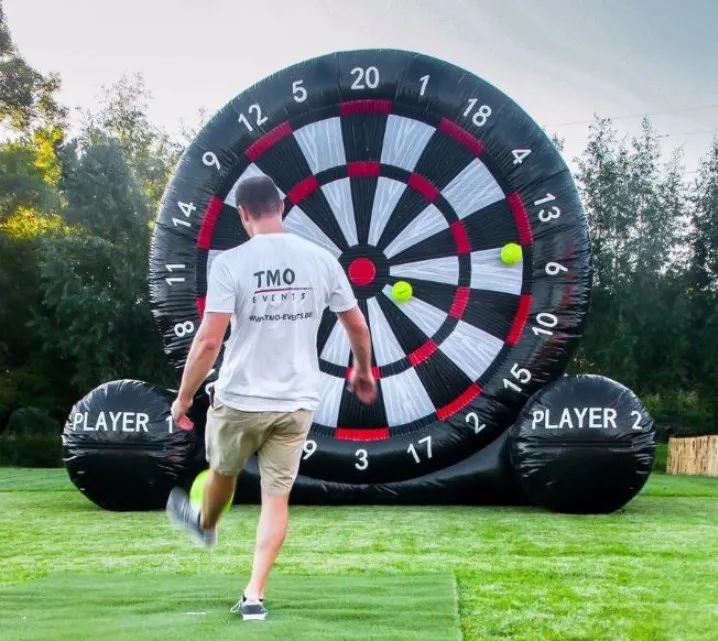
180	526
254	617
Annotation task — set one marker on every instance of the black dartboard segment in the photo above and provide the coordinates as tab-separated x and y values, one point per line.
406	169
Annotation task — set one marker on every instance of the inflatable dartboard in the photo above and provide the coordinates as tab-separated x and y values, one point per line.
405	168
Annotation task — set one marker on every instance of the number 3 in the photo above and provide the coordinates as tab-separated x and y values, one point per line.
363	461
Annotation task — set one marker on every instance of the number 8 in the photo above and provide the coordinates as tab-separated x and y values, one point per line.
182	329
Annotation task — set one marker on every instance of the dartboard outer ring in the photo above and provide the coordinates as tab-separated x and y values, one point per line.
550	308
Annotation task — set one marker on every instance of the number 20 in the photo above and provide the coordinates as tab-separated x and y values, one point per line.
369	75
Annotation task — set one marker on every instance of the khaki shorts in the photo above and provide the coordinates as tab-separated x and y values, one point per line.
231	437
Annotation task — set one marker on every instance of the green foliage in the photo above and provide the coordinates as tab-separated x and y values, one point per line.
28	421
36	450
26	96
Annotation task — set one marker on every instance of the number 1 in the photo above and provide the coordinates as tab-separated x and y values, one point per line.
424	82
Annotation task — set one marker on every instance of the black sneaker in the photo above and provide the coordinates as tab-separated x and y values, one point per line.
186	518
250	609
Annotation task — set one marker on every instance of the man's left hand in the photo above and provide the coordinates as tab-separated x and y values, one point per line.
179	413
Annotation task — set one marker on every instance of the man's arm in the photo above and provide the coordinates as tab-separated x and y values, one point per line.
357	330
203	353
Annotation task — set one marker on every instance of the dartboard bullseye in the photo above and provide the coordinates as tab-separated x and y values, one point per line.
410	171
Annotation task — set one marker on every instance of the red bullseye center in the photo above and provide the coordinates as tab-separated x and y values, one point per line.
362	271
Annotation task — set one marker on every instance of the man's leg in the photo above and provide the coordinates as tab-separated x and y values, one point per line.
218	490
271	531
279	459
231	437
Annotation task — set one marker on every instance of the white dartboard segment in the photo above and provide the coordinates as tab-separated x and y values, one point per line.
386	346
337	349
339	197
299	223
404	141
330	390
471	349
429	222
488	272
322	144
425	316
249	172
387	195
434	270
405	398
472	189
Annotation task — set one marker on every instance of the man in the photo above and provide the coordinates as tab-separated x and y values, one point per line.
274	289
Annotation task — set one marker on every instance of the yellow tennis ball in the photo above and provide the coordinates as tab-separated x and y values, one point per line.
402	291
196	492
511	253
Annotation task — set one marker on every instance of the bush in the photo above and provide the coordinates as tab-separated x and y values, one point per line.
34	450
680	414
31	420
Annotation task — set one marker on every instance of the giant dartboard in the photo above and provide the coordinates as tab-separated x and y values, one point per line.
405	168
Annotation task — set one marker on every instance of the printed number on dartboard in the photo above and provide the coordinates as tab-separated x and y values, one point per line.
361	456
520	376
184	329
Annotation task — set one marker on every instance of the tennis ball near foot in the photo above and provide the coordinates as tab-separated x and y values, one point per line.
511	253
196	492
402	291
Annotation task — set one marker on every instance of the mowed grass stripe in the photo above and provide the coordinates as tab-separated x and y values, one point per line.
144	608
523	574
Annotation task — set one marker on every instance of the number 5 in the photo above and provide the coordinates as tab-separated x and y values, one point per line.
522	375
300	93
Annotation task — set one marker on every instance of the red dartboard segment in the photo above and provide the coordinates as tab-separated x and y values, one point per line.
461	300
443	413
461	136
271	138
359	434
353	107
522	315
204	240
201	303
422	353
424	187
363	168
521	217
376	373
303	189
461	238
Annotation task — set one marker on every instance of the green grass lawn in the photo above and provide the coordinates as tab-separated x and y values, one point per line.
647	573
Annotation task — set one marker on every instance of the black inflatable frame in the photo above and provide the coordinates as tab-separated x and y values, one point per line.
541	211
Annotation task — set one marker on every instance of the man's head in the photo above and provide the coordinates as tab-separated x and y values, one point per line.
259	203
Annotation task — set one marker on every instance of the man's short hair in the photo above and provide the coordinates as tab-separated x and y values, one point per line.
258	196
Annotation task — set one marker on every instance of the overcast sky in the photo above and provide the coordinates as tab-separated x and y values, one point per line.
562	60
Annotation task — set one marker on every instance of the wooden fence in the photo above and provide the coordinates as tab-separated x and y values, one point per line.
696	456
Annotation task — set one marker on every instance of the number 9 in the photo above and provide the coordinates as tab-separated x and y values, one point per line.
553	269
309	448
210	159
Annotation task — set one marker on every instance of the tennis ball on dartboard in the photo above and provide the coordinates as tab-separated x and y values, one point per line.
511	253
402	291
196	492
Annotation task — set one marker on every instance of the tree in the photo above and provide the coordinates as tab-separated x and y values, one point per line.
96	317
149	150
27	98
704	236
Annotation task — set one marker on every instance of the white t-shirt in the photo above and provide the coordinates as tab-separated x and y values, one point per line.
276	286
